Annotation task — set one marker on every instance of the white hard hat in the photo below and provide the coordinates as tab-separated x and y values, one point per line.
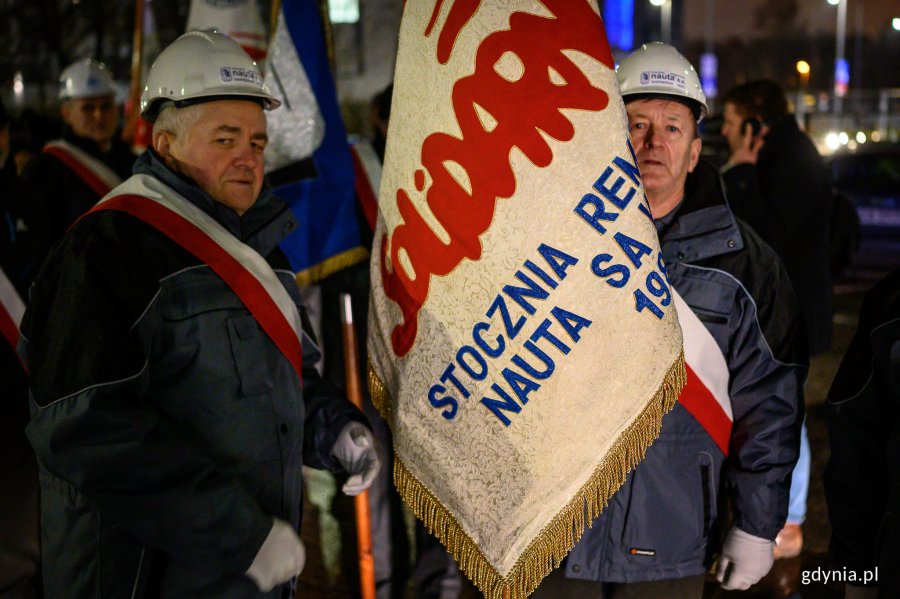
202	66
85	78
656	70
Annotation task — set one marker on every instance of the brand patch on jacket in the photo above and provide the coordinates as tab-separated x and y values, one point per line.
644	552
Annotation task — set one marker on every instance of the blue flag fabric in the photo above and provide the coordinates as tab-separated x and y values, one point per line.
328	238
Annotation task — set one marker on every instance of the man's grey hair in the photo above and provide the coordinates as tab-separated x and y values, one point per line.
177	121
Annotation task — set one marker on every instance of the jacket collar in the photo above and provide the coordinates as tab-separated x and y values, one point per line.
117	146
262	227
704	225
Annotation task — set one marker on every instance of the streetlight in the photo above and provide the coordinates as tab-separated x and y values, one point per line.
665	18
895	23
803	69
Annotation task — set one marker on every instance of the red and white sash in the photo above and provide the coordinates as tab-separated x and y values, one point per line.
240	266
367	168
705	395
11	310
92	171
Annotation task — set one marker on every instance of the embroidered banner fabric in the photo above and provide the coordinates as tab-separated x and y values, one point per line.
523	339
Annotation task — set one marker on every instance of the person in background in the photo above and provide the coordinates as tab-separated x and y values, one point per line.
173	391
862	477
73	172
777	182
657	535
23	244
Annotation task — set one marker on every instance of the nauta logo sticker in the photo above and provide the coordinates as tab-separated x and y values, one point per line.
240	75
662	78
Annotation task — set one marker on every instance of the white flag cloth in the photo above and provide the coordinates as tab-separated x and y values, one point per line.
523	339
238	19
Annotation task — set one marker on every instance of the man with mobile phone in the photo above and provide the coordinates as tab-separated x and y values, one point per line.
777	182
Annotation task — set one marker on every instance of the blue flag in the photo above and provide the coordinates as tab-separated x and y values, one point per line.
320	188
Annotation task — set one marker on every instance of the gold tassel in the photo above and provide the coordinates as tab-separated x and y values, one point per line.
380	397
331	265
552	544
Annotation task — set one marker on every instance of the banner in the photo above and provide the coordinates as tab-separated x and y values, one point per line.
523	339
308	157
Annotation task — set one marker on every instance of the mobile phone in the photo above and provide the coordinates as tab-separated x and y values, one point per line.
754	123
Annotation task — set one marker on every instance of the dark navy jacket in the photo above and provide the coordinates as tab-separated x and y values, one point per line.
660	523
169	428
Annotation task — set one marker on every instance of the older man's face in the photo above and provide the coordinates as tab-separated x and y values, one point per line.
664	138
223	152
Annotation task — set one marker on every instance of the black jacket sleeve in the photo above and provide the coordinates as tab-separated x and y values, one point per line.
862	483
328	410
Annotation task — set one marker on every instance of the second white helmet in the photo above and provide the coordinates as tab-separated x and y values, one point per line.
657	69
201	66
85	78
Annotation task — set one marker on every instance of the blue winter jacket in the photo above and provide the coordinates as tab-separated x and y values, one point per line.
660	523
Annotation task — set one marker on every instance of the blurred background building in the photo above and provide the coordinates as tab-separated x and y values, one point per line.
796	42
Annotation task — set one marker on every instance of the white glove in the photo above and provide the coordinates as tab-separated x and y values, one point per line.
355	450
853	592
745	559
280	558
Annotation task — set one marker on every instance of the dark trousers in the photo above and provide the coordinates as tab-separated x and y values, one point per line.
556	585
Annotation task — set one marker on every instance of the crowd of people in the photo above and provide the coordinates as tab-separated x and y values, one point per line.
157	420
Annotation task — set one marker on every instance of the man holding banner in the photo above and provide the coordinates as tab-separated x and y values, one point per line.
174	398
737	423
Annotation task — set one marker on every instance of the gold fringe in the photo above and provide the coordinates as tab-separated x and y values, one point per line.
380	397
547	550
319	271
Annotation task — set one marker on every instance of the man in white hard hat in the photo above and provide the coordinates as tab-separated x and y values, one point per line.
73	172
735	429
174	394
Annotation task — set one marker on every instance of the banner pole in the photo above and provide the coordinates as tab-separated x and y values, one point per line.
137	57
273	21
328	34
361	501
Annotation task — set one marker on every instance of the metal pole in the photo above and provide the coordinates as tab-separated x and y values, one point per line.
710	26
839	54
665	13
709	47
361	501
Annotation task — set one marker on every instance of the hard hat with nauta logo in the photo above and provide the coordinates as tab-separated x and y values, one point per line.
85	78
201	66
658	70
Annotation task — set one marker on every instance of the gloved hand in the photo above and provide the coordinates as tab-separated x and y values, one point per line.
853	592
280	558
355	450
745	559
